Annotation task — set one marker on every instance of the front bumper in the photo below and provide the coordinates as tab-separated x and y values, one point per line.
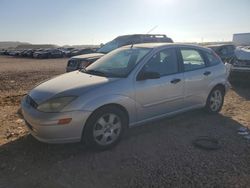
44	127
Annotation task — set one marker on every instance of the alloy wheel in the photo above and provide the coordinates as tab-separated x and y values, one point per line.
216	100
107	129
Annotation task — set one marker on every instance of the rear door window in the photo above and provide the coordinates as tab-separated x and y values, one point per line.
192	59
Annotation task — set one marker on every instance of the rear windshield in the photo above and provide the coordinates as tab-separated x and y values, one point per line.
109	47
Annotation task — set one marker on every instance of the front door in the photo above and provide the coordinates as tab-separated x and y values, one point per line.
159	96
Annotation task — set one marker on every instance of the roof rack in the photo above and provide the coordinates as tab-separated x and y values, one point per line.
152	35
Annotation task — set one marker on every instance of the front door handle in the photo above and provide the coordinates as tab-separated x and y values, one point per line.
207	73
175	81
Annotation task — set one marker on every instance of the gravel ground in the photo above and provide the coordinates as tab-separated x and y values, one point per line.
158	154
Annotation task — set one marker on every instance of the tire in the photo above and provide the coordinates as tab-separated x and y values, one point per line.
215	100
105	128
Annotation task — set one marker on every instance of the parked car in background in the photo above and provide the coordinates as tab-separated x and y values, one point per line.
40	53
29	53
78	62
241	62
225	51
128	86
66	50
81	61
76	52
14	52
56	53
3	52
48	53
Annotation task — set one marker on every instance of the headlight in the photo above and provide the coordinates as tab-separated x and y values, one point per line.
55	104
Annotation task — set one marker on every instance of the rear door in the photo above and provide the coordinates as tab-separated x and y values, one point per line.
197	76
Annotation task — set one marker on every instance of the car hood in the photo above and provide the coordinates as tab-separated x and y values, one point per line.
242	54
70	84
88	56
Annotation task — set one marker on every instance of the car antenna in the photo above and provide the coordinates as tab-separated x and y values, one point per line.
153	28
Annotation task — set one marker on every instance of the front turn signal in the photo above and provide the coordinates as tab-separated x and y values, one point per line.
64	121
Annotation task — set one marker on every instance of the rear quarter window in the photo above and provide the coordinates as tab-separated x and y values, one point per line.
212	58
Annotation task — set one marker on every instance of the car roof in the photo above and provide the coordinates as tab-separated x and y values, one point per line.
159	45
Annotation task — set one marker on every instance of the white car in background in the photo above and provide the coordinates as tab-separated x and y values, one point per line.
241	63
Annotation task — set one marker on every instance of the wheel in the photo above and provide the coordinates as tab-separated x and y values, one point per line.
105	128
215	100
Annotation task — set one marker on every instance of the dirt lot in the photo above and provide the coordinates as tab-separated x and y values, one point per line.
159	154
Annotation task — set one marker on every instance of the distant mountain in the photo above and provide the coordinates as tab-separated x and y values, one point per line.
11	44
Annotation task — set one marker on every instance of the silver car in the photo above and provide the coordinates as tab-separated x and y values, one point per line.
127	87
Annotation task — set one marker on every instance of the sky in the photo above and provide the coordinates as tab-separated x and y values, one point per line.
77	22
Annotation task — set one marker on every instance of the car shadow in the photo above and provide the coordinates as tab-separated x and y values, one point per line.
30	162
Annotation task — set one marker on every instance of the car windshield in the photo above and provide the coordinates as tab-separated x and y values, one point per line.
108	47
117	63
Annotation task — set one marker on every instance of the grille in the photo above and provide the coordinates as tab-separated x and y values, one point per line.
72	63
242	63
31	102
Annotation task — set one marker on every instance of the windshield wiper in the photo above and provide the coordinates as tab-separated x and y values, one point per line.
100	73
83	69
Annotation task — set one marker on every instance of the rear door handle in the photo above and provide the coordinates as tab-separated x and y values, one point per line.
207	73
175	81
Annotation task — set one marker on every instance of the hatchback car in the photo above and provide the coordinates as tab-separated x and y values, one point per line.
128	86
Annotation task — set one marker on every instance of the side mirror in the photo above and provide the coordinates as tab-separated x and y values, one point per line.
145	75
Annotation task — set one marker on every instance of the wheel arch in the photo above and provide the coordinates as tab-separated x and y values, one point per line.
116	105
220	85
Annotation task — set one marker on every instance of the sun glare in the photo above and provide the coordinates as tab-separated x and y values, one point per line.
161	2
